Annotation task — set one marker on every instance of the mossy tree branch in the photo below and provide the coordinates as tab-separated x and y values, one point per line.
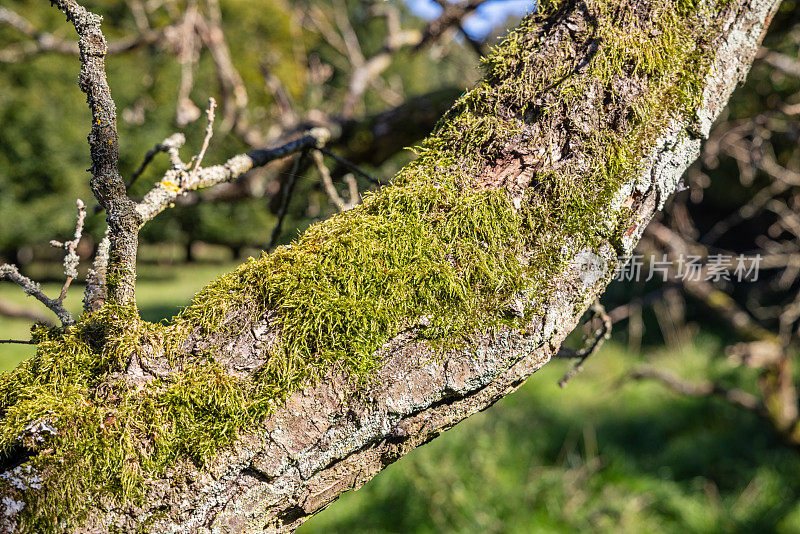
305	372
106	182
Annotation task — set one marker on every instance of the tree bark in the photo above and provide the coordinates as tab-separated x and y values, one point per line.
333	435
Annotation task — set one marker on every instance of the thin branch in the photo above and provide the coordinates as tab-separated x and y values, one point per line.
734	396
327	183
452	15
287	195
593	344
177	182
11	310
352	166
231	85
95	294
786	64
212	105
18	341
188	55
71	258
11	273
170	145
42	42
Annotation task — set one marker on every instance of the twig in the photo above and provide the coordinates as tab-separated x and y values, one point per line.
71	258
11	273
42	42
188	55
598	338
19	341
352	166
11	310
176	182
212	105
287	194
232	88
170	145
95	294
734	396
327	184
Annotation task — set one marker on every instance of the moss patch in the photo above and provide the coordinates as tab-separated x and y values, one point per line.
437	244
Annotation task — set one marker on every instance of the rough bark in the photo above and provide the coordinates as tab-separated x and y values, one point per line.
334	436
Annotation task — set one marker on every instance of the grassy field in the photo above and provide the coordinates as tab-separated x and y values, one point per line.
602	455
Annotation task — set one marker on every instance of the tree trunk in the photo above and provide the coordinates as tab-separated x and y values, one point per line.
304	373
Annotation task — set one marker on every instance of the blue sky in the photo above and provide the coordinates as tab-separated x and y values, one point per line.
485	18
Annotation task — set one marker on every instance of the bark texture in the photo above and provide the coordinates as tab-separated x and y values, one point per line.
335	435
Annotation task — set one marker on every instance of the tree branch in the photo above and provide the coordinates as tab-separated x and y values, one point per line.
106	182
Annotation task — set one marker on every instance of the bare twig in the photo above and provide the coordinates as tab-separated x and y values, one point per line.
71	258
212	105
95	294
11	310
42	42
327	184
288	189
352	166
786	64
592	345
11	273
232	88
170	145
18	341
177	182
734	396
188	54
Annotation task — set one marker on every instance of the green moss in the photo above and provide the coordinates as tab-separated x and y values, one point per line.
436	244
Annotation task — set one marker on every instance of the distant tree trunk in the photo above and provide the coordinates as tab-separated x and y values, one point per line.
429	302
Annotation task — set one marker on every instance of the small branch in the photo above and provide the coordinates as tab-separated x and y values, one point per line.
189	52
232	88
452	15
177	182
18	341
170	145
10	310
95	294
352	166
71	258
287	195
327	183
212	105
593	345
352	185
12	274
734	396
786	64
42	42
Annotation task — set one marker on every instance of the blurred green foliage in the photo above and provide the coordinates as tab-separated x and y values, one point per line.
43	149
